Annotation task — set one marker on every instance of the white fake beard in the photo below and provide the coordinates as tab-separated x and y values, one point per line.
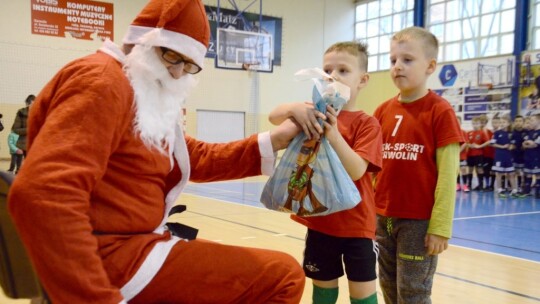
159	98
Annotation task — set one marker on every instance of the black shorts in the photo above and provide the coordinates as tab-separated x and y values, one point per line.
475	161
488	163
324	254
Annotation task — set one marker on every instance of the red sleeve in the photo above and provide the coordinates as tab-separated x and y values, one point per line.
447	126
368	144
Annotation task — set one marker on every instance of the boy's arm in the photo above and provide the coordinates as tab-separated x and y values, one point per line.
507	146
486	143
355	165
302	113
280	113
440	224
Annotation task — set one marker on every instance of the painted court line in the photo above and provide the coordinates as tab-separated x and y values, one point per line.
489	286
495	215
438	273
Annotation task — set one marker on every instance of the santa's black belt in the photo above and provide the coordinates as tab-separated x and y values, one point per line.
181	230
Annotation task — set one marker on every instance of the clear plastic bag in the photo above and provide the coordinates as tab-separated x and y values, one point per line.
310	179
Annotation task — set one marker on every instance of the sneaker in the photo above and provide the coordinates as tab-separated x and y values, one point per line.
477	188
501	193
465	188
514	193
522	195
488	189
458	187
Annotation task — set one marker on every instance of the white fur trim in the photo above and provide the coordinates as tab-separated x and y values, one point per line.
173	40
155	259
113	50
149	268
268	156
181	155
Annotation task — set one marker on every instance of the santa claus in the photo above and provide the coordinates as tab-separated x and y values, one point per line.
107	159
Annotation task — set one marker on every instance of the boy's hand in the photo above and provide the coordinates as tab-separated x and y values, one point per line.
305	115
330	125
282	135
435	244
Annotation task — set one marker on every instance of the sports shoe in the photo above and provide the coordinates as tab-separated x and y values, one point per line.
465	188
458	187
501	193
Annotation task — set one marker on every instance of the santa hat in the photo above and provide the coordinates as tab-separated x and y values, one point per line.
180	25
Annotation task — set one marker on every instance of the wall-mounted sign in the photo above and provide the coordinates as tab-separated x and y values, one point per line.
81	19
448	75
476	87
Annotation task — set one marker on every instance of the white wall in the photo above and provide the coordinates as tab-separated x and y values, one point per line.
28	61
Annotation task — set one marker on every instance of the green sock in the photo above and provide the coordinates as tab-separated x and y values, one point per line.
372	299
325	295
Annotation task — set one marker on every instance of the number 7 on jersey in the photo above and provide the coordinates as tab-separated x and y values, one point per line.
399	120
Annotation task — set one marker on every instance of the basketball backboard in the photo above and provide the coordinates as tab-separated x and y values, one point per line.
237	49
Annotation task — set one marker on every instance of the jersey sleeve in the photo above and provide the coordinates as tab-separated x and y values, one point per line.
368	144
447	129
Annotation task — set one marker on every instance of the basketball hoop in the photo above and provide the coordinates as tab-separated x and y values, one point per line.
250	67
486	85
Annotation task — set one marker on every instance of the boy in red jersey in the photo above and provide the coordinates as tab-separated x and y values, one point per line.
349	235
463	168
489	151
477	139
415	193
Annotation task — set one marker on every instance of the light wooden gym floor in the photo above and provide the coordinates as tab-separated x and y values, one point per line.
463	276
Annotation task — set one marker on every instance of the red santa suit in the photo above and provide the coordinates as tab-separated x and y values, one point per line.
91	200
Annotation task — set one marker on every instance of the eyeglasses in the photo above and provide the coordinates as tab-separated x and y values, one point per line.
173	57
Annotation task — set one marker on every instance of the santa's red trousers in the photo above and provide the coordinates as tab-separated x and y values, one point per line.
206	272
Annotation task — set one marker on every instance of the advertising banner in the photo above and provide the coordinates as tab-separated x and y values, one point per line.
529	95
476	87
80	19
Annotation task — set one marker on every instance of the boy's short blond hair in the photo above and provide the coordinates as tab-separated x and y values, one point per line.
477	119
429	41
483	118
355	48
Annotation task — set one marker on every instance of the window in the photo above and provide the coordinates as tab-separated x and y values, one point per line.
472	28
376	22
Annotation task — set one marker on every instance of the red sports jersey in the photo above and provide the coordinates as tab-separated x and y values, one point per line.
412	132
363	133
463	153
477	137
489	151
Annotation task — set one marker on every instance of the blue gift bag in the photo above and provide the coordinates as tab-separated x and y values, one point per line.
310	179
